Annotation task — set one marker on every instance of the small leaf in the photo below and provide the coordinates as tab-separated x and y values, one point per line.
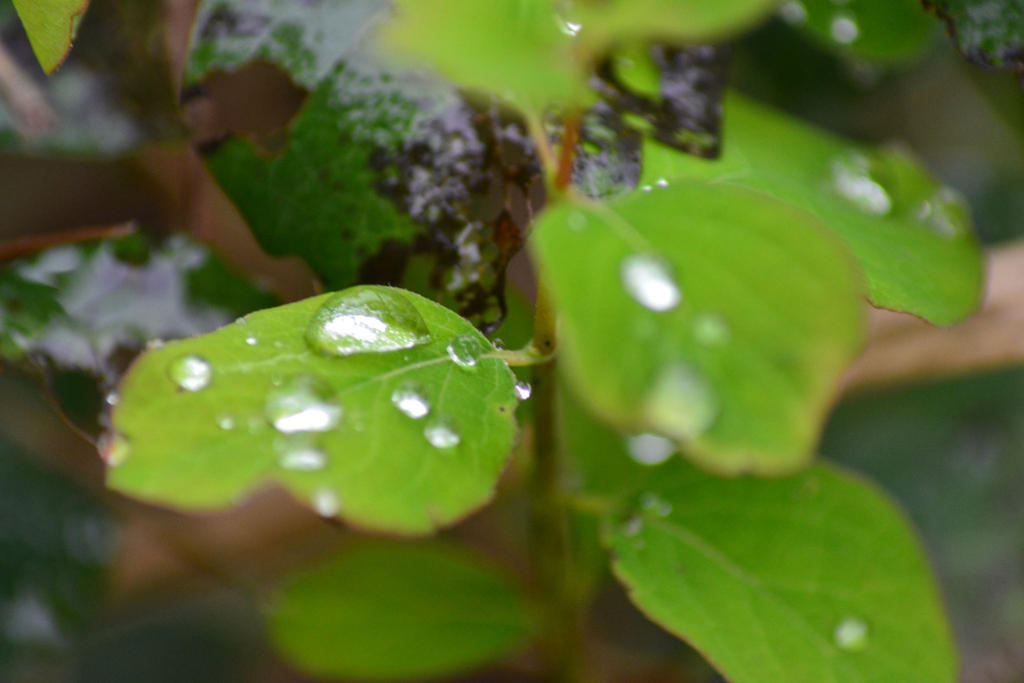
50	25
398	612
811	578
513	48
876	30
337	431
989	32
912	236
711	314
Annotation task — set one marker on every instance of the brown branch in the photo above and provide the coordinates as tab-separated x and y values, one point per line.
905	349
26	246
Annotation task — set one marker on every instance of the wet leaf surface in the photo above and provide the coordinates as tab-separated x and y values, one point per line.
56	542
912	236
989	32
113	93
394	612
342	399
714	315
93	306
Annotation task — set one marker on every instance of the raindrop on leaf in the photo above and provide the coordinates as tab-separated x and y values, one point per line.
649	281
191	373
366	320
304	404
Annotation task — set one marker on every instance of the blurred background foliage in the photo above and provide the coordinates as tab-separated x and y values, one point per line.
96	588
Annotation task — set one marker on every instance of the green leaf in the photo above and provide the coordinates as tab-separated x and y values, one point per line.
811	578
83	306
989	32
50	25
877	30
912	236
712	314
397	612
687	21
513	48
276	398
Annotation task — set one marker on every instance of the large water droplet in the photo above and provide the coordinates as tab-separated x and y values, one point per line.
302	458
945	213
523	390
681	402
190	373
649	280
366	320
465	351
304	404
852	179
441	434
844	29
411	400
326	502
711	330
650	449
851	634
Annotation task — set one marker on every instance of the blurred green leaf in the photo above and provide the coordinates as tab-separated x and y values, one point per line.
112	94
912	236
811	578
712	314
520	50
50	25
876	30
989	32
81	306
398	437
391	612
56	543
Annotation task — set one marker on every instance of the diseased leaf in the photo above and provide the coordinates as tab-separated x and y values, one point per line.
712	314
373	404
989	32
392	612
876	30
50	25
91	306
112	94
380	163
912	236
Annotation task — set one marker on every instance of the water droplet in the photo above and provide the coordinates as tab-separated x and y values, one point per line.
251	340
523	390
577	221
945	213
652	502
844	29
851	634
661	182
441	434
409	399
633	526
112	399
191	373
465	351
569	28
366	320
711	330
649	281
646	188
793	12
681	402
226	422
240	321
303	458
852	179
155	344
650	449
326	502
304	404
